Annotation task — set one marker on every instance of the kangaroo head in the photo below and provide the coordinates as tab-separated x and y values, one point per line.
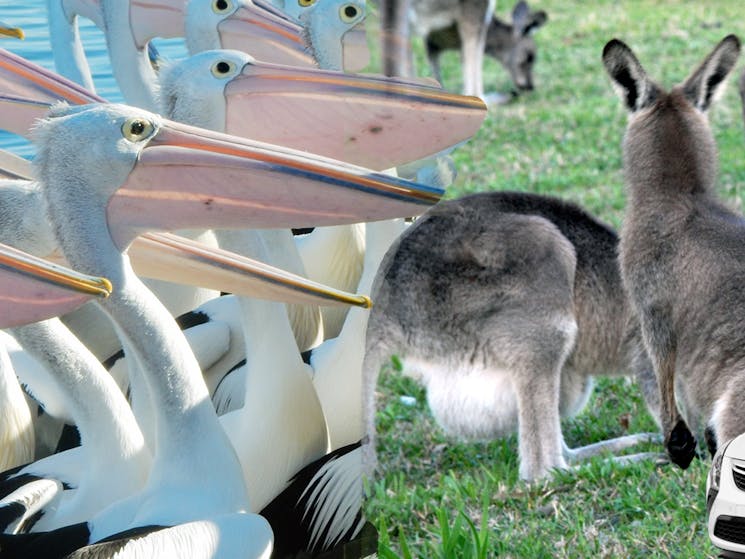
513	45
668	141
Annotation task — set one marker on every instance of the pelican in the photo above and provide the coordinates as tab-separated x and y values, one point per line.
164	256
337	363
369	117
129	26
112	445
239	24
234	92
142	170
344	19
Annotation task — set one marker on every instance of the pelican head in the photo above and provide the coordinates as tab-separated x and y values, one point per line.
335	31
147	173
365	120
245	25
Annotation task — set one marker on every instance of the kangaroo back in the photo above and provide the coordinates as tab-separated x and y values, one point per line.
680	247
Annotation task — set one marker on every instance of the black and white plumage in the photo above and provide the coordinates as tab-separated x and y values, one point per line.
113	446
319	513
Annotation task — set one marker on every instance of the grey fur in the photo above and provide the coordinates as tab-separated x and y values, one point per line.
506	304
468	25
512	44
682	250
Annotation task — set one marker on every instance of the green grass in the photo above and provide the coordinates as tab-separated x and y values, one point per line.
438	498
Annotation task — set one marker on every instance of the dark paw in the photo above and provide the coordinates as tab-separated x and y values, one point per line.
681	445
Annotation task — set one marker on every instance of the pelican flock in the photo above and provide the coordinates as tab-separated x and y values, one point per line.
204	425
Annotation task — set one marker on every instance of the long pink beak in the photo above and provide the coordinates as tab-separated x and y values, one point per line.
374	122
173	258
184	261
188	176
14	167
32	289
265	36
27	90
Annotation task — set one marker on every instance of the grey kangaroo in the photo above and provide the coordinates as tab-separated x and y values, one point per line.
510	43
682	251
504	305
468	25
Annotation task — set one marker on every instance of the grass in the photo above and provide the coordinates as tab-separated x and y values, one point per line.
438	498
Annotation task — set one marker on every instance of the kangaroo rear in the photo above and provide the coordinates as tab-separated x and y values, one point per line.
682	250
504	305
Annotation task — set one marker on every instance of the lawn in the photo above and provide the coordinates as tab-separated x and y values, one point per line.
436	497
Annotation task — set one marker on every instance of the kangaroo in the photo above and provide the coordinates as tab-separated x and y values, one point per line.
504	305
511	44
471	17
466	25
682	251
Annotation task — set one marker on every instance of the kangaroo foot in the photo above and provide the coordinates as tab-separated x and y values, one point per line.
612	446
681	445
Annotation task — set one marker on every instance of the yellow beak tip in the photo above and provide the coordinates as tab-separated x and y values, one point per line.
107	287
16	32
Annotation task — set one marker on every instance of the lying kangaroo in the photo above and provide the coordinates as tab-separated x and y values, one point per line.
504	305
466	25
682	251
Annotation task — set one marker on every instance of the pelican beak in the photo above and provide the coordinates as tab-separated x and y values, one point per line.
27	91
32	289
172	258
191	177
265	35
371	121
14	167
8	31
355	49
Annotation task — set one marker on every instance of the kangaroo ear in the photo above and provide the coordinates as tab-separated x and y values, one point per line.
702	86
536	20
520	18
629	78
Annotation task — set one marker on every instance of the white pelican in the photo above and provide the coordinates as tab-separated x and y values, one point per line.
207	24
277	391
142	169
111	441
369	117
327	21
363	120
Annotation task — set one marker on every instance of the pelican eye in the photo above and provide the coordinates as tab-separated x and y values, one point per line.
221	6
305	3
222	69
136	129
348	13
